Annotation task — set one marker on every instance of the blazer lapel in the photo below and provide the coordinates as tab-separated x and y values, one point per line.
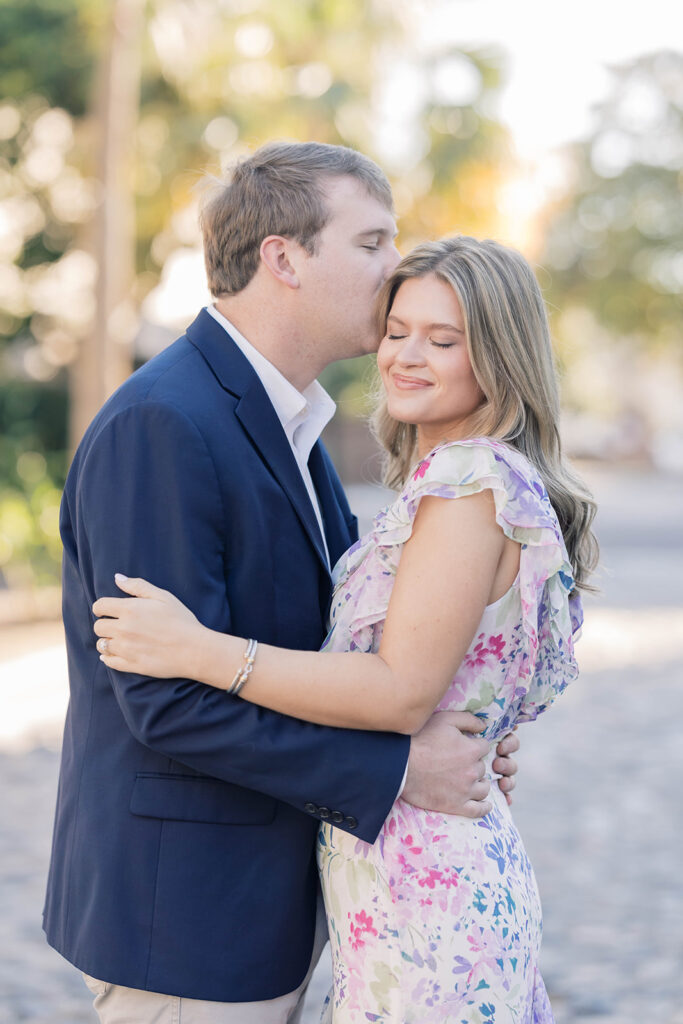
337	531
258	418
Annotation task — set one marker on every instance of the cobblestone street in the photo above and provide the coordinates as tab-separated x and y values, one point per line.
598	800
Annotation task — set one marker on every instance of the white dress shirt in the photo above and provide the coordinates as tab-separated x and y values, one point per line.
303	414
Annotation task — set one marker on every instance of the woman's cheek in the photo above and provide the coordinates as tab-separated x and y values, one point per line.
383	362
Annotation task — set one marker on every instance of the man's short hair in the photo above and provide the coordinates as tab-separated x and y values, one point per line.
278	190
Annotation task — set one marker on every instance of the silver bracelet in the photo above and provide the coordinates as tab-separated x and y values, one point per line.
244	671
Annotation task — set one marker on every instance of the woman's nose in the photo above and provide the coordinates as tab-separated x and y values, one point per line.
411	352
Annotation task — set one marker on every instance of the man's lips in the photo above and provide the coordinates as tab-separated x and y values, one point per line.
409	383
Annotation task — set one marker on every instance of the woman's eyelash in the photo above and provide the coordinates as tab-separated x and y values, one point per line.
436	344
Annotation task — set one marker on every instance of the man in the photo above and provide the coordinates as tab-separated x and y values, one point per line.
183	875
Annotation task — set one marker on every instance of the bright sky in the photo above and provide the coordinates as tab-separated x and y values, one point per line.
557	54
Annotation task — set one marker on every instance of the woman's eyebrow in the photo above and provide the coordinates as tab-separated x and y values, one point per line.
445	327
430	327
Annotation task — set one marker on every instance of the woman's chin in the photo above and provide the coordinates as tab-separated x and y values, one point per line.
398	411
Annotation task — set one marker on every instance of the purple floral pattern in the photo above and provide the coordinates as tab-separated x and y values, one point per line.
440	919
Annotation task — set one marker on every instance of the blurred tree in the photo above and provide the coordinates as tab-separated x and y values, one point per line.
107	360
613	246
218	77
614	240
46	60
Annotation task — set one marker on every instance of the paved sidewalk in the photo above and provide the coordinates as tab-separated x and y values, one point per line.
598	801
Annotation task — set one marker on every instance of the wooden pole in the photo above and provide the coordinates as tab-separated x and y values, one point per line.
106	356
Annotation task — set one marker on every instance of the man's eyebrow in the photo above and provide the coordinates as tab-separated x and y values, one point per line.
373	232
431	327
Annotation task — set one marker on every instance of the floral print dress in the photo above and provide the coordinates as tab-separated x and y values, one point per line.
440	919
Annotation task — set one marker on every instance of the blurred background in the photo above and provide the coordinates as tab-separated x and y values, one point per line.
557	131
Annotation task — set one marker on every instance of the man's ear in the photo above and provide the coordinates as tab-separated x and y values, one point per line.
278	254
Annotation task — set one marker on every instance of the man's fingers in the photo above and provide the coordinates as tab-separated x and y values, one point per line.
508	745
480	790
465	721
479	746
506	784
505	766
477	808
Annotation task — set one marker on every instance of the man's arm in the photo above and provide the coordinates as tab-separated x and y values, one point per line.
148	503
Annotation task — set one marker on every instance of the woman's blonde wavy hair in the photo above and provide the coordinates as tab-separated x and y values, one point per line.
508	340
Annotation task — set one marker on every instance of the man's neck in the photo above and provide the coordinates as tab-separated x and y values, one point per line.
272	338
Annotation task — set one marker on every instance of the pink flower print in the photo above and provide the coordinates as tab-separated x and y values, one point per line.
478	656
365	922
421	469
433	820
430	878
363	926
496	645
406	868
408	841
450	878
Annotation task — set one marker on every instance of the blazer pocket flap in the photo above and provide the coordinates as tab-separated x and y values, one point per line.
189	798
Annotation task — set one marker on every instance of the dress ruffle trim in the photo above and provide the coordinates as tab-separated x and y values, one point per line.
551	608
541	1010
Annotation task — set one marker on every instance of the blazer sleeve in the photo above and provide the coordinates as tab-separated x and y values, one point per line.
149	505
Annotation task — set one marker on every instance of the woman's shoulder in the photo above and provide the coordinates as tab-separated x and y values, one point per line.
457	469
481	460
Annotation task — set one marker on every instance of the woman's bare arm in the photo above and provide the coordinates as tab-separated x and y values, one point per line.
448	571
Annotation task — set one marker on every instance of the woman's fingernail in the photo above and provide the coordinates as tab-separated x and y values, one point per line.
119	576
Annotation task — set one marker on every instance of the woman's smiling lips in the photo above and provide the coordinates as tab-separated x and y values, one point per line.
409	383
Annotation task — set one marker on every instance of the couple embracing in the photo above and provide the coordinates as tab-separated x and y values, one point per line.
212	752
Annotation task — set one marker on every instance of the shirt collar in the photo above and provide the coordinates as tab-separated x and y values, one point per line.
301	413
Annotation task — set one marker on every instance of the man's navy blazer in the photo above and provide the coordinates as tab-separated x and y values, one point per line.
183	857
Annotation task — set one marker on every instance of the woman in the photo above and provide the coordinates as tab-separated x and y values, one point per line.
464	595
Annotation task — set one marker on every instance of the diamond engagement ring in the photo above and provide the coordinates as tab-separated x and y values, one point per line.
103	645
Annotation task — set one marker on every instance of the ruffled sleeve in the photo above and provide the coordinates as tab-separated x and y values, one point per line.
550	607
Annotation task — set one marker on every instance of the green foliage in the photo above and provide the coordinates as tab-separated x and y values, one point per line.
46	49
613	244
32	464
352	383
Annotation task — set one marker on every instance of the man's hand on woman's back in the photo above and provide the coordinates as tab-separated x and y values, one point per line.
446	769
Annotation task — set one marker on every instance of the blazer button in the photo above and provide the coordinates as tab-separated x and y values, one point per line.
337	817
310	808
324	813
351	821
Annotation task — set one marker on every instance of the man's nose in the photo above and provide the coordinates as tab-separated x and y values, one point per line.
393	260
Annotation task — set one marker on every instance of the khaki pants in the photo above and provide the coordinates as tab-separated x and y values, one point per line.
116	1004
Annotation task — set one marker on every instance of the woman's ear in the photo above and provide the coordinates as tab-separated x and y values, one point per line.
278	255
